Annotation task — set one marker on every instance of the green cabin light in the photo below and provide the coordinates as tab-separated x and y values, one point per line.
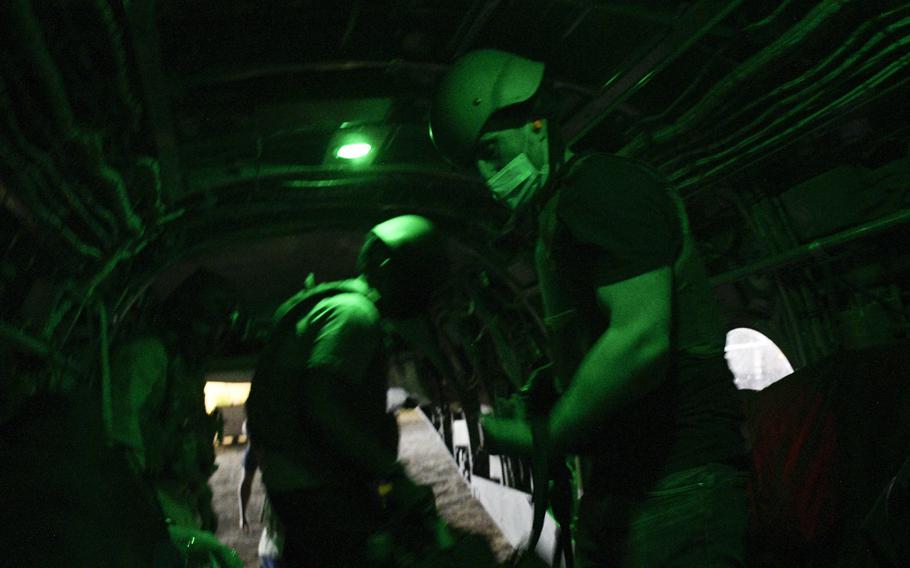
353	151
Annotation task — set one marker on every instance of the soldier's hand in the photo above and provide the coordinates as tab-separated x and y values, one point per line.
201	548
507	436
406	498
445	539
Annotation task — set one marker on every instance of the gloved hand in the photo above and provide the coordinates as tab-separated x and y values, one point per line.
201	549
414	528
510	432
404	498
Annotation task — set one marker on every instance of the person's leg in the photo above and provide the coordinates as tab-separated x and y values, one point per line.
270	562
601	531
697	517
327	527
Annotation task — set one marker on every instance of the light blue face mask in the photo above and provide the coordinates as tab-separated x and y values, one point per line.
517	182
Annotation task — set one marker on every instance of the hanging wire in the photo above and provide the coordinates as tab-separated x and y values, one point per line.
686	92
752	146
806	104
800	100
721	92
89	291
68	143
817	77
105	357
41	162
42	213
770	19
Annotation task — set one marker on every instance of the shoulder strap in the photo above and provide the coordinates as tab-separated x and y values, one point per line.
547	224
303	301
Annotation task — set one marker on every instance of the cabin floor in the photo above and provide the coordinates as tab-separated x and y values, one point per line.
425	458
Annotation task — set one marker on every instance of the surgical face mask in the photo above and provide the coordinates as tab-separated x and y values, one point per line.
517	182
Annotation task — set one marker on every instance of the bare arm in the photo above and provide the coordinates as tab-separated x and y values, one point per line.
625	363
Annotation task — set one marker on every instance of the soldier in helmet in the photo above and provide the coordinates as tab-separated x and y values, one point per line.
317	408
158	398
645	395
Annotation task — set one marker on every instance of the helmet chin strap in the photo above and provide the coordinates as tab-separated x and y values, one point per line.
541	127
543	147
555	156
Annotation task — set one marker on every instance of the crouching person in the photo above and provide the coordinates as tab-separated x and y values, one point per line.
159	422
317	408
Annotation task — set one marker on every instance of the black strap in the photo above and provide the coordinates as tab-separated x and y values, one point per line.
540	394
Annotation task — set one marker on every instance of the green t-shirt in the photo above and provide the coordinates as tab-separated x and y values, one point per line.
610	220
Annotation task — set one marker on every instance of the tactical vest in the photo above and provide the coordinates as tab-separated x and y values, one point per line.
277	422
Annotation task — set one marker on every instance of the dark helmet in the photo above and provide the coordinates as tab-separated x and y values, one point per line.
205	299
201	293
404	260
479	84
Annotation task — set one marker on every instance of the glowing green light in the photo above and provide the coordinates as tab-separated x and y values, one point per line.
353	151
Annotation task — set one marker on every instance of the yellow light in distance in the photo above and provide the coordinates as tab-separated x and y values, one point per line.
219	393
353	151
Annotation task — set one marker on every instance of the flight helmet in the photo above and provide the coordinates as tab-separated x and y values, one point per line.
480	84
404	260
